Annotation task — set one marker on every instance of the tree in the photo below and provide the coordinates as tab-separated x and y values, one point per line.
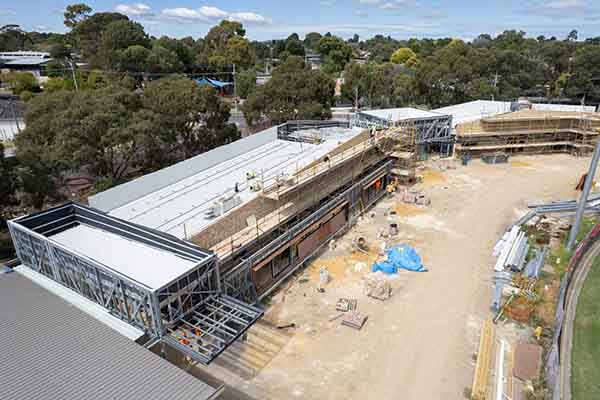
162	60
238	51
7	182
60	51
134	58
572	36
402	55
21	82
117	37
183	50
312	39
190	117
245	83
76	13
584	80
87	35
295	47
224	45
293	92
335	51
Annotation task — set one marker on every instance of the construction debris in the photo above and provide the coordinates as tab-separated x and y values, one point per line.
495	158
528	359
410	196
346	305
355	319
378	287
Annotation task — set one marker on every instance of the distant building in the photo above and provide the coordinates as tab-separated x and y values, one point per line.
314	60
24	61
11	28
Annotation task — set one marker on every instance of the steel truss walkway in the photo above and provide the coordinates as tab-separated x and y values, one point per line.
211	327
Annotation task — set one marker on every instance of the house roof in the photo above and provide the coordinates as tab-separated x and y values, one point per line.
11	108
52	350
213	82
26	61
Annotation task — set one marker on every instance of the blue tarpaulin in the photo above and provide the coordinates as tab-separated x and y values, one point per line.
213	82
400	257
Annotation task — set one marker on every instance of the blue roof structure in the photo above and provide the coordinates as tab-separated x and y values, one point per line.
213	82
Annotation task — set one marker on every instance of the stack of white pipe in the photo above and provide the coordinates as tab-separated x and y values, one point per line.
505	247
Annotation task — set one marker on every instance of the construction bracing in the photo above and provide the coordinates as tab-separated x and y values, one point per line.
530	132
157	307
433	130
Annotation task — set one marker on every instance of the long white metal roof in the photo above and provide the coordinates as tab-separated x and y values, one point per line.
145	264
180	208
474	110
399	114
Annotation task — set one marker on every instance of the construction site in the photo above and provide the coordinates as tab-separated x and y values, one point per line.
261	267
529	132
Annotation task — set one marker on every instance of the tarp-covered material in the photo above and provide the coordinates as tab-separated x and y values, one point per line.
213	82
400	257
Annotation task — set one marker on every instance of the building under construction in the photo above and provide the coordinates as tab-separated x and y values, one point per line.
529	132
184	254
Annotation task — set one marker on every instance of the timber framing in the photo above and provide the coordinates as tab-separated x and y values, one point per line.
529	132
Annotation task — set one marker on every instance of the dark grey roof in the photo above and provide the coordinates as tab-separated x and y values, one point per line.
53	351
11	107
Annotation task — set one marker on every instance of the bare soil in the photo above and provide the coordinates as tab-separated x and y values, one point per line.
419	344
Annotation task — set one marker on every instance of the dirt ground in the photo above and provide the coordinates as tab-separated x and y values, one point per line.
419	344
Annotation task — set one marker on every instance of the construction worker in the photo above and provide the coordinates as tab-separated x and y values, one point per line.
538	333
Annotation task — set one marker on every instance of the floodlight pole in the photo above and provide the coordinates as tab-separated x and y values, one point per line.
584	197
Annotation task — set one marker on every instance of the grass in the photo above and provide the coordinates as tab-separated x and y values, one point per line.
585	383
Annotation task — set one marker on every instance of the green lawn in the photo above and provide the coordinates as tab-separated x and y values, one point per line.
586	347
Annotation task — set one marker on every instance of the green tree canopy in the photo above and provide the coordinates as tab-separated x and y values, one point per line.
293	92
402	55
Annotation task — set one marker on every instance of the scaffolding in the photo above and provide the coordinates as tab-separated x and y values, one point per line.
529	132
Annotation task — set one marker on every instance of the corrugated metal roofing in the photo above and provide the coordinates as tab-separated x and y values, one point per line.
27	61
52	350
474	110
398	114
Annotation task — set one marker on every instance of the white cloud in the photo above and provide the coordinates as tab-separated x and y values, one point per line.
209	14
327	3
135	10
361	14
7	13
563	4
41	28
395	5
367	1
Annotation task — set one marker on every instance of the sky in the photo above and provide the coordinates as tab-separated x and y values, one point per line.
274	19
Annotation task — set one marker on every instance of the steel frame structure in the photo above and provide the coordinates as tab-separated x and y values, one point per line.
430	131
238	281
159	312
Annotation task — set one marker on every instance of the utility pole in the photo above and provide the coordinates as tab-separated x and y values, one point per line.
589	179
73	73
495	83
235	90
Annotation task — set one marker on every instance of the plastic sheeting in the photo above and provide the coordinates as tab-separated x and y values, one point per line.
400	257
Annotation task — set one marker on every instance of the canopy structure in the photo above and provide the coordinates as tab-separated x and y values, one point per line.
214	83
